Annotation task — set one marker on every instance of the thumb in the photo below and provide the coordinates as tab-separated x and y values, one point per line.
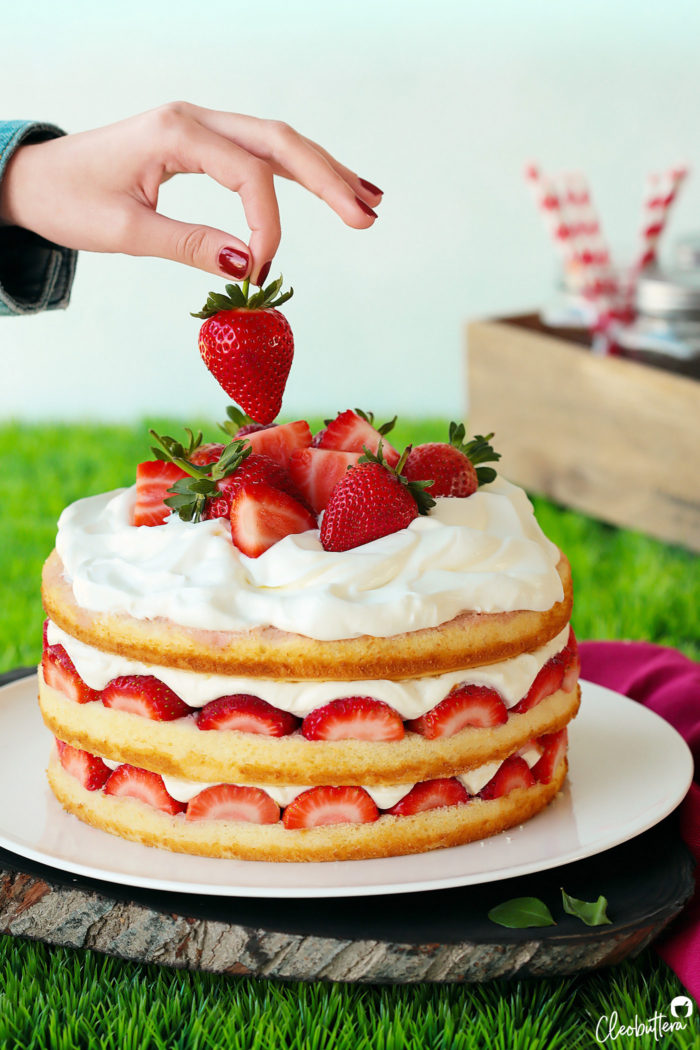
200	246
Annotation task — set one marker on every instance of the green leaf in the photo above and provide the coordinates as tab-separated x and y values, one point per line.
284	297
456	434
237	298
485	474
273	288
521	912
237	415
385	428
592	913
479	450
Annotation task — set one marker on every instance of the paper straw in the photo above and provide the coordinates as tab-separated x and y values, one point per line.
660	193
551	207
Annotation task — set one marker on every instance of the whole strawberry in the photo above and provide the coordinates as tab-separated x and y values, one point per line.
452	467
371	500
248	346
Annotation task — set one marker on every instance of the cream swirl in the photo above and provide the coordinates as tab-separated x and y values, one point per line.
485	553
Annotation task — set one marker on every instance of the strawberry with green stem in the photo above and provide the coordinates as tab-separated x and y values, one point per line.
207	489
453	467
247	345
191	494
372	500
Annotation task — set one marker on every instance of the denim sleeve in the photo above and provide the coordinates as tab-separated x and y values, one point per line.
35	274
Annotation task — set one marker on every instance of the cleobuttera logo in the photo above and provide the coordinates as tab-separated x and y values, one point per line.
610	1028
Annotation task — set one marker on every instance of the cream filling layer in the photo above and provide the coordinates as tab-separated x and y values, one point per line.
384	797
410	697
485	553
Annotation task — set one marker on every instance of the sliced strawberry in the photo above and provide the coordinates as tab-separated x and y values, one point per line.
554	745
231	802
330	805
254	468
279	442
88	769
262	515
430	794
143	785
252	428
146	696
207	453
353	718
45	633
467	705
548	680
316	472
59	672
511	774
318	438
349	432
247	714
153	479
572	663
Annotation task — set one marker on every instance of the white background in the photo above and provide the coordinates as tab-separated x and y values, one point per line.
440	104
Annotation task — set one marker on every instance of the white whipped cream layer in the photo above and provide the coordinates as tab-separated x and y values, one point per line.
384	797
411	697
484	553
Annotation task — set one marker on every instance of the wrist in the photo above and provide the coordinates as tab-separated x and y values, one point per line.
8	191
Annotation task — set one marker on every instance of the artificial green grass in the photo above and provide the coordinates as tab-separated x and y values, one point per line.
627	586
71	1000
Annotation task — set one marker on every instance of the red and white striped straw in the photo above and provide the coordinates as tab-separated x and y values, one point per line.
551	208
574	227
586	232
660	193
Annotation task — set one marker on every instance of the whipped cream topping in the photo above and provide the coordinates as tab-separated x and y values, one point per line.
411	697
384	796
484	553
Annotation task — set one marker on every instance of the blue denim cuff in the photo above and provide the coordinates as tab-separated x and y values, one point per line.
35	274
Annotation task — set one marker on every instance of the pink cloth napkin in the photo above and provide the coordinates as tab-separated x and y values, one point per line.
668	683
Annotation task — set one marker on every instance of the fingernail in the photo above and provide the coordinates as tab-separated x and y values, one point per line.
366	208
262	276
371	187
233	262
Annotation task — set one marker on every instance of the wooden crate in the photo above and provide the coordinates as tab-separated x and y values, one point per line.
607	436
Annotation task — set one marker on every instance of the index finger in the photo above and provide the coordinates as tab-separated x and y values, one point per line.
289	154
249	177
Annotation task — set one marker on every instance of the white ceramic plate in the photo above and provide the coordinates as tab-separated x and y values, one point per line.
628	770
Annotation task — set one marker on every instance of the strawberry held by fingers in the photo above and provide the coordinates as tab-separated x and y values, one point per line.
248	346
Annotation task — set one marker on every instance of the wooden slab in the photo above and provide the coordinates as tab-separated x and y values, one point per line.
443	935
439	936
611	437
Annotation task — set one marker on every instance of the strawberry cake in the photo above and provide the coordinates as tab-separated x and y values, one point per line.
297	647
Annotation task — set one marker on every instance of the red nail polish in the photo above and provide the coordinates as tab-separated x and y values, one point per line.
366	208
371	187
233	262
262	276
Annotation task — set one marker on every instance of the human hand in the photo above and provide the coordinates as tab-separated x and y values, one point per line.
98	190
